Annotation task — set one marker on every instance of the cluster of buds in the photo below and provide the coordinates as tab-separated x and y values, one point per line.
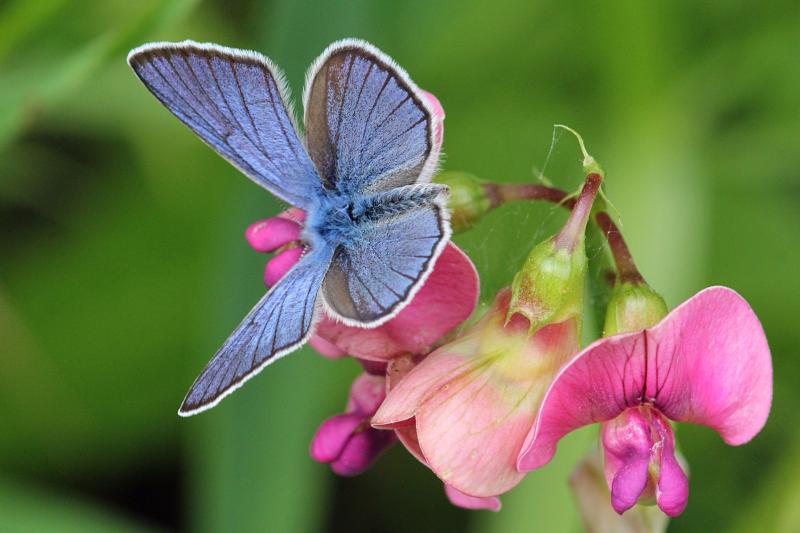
484	401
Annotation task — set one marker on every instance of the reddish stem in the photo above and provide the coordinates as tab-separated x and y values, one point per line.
508	192
626	268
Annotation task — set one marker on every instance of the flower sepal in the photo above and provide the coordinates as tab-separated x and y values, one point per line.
468	200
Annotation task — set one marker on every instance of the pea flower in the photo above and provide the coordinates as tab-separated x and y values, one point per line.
447	298
396	370
707	362
472	401
347	441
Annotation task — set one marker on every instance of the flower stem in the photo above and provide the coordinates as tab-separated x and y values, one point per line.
501	193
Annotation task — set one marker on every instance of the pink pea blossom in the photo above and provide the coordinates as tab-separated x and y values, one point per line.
397	369
465	409
707	362
347	441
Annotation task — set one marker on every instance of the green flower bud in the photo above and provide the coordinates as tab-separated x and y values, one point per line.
633	307
549	287
468	199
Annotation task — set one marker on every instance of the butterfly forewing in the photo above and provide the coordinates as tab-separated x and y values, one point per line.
233	100
368	126
276	326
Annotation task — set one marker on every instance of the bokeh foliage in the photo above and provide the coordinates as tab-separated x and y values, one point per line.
122	262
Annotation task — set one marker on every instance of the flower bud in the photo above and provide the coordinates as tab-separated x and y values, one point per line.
346	441
633	307
549	287
468	201
270	234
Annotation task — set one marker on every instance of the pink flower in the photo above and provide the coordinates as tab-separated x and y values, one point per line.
447	298
465	409
397	369
347	441
707	362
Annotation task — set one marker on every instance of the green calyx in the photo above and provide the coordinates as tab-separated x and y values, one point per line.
633	307
468	199
549	287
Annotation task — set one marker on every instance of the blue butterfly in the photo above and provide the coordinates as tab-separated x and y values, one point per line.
374	225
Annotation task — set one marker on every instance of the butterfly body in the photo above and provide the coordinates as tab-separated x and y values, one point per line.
374	227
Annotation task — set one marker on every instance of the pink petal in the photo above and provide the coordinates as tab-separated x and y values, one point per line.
672	490
447	298
721	373
627	443
471	429
295	214
459	499
707	362
270	234
326	348
639	448
362	450
278	266
591	492
438	115
366	394
332	436
435	371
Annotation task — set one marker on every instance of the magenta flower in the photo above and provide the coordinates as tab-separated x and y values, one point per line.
707	363
447	298
347	441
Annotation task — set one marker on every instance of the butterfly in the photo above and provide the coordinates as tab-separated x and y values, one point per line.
375	225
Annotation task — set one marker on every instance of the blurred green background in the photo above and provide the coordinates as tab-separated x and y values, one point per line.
123	265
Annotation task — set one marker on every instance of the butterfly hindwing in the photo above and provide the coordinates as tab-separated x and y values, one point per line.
402	233
369	128
234	101
278	324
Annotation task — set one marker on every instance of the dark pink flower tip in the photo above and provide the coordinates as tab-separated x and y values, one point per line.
278	266
362	450
465	501
640	463
333	435
270	234
347	441
447	299
707	363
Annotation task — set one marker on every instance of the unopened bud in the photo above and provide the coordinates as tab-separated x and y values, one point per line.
633	307
468	199
549	287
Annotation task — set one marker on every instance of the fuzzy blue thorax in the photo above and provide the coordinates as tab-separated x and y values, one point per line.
338	218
